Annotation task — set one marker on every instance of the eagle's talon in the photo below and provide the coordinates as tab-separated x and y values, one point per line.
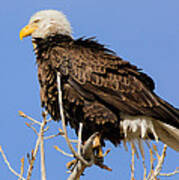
107	152
70	164
99	160
102	166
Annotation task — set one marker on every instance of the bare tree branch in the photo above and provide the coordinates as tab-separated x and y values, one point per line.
9	166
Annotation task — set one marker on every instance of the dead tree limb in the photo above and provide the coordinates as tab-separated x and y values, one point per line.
39	142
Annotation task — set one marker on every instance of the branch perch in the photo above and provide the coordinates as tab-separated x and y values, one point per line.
76	155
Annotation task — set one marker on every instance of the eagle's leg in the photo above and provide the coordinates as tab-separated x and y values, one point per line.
98	147
99	156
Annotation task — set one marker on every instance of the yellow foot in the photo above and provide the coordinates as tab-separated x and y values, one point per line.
97	147
71	163
99	156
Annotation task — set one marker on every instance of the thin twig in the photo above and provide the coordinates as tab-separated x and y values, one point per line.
22	168
71	140
29	125
9	166
145	169
22	114
63	152
141	148
156	151
170	174
52	136
63	135
151	164
31	165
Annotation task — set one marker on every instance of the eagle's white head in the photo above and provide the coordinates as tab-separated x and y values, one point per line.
46	23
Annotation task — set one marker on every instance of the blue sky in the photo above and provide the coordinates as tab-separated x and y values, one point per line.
144	32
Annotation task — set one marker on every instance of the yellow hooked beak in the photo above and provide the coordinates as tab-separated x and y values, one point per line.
27	30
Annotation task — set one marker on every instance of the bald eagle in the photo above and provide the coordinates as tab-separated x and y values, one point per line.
107	94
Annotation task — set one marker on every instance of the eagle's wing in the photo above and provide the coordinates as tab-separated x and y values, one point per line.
118	84
112	81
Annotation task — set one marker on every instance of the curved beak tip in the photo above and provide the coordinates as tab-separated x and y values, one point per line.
20	36
23	33
27	31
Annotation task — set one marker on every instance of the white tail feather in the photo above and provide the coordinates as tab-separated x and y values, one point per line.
135	127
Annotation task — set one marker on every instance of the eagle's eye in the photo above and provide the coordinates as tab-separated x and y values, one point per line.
36	21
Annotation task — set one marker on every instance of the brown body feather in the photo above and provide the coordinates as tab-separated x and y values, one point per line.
97	87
